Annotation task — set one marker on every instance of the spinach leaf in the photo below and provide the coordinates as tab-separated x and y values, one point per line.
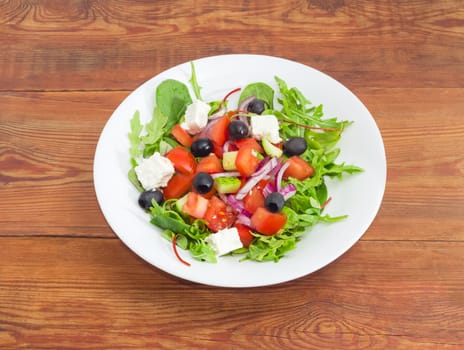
259	90
172	98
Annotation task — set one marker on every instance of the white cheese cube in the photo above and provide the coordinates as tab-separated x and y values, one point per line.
224	241
266	126
154	172
196	117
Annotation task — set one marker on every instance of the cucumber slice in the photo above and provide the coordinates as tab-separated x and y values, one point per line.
227	184
228	160
270	149
180	203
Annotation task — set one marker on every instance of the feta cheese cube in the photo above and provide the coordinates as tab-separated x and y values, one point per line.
154	172
196	117
224	241
266	126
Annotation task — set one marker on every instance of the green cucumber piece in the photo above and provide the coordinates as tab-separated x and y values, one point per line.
180	203
270	149
228	160
226	184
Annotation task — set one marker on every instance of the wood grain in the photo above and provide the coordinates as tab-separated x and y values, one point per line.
94	294
67	282
362	43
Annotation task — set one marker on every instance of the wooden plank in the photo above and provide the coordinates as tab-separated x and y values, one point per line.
95	293
360	43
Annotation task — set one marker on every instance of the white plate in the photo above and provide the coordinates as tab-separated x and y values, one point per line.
358	196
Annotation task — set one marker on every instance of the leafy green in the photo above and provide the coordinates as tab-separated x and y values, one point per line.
259	90
271	248
134	180
155	128
134	136
202	251
172	98
193	81
191	236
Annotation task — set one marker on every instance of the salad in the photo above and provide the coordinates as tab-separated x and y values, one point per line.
246	180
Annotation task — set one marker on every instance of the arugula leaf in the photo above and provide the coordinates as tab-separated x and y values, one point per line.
134	180
200	250
172	98
192	236
271	248
337	170
155	128
193	80
134	136
215	106
259	90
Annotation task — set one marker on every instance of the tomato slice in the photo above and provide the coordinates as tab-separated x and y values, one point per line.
245	234
218	132
255	198
178	186
247	161
210	164
182	159
182	136
195	205
219	216
266	222
298	168
249	142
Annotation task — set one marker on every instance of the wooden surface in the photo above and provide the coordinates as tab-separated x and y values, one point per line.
67	282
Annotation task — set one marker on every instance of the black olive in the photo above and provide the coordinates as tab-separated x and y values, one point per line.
256	106
237	130
295	146
274	202
201	147
203	183
146	197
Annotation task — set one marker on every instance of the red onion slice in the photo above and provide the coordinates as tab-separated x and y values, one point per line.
226	174
256	177
280	174
268	189
243	219
244	105
288	191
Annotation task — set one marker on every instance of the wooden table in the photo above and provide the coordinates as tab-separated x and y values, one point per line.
66	280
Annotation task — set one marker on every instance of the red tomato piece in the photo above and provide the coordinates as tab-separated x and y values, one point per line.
218	132
266	222
218	150
182	136
247	161
249	142
255	198
245	234
195	205
178	186
219	216
298	168
210	164
182	159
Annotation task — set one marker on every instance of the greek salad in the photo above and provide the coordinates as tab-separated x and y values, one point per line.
245	179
